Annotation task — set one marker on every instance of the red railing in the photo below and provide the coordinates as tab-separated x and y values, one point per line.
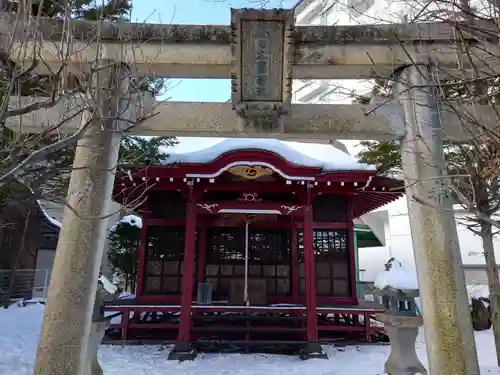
331	319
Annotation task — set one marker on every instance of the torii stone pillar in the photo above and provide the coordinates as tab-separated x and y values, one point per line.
67	322
449	336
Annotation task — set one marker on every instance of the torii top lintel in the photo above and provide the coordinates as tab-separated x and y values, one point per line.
205	51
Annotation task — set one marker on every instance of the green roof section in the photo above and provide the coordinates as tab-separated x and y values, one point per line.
365	237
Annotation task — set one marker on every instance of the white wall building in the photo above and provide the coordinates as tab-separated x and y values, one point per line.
398	238
399	245
343	12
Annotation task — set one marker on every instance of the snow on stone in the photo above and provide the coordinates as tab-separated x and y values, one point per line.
126	295
132	220
397	278
478	291
324	156
49	218
108	285
34	300
19	339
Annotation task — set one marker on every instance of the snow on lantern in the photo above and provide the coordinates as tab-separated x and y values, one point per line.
399	288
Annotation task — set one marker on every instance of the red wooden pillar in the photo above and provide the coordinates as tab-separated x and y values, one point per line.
125	323
188	274
310	277
202	251
352	249
295	265
142	253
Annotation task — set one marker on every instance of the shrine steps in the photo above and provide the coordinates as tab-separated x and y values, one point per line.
246	329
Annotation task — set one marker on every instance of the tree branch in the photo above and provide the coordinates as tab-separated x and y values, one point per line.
40	154
36	106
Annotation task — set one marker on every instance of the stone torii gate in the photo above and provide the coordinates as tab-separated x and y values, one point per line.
261	52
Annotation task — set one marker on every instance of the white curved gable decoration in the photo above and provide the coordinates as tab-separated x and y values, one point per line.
249	163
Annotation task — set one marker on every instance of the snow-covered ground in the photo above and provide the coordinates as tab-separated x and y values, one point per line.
19	327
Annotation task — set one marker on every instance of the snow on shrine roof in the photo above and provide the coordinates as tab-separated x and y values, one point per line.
313	155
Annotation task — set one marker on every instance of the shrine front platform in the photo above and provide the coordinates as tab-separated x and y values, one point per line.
250	326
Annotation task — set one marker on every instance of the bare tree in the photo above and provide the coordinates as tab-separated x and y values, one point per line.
472	180
89	105
39	153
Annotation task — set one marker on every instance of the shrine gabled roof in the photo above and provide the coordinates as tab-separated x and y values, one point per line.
324	166
310	155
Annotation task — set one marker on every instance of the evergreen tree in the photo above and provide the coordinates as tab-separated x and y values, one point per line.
385	155
123	252
114	10
144	150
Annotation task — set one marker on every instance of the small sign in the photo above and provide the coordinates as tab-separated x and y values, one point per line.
262	46
262	60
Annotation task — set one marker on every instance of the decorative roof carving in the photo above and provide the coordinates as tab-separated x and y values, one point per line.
251	172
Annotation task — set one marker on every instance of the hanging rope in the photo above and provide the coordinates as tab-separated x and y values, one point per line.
248	219
245	291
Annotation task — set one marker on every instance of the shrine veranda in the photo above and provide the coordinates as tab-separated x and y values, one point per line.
277	214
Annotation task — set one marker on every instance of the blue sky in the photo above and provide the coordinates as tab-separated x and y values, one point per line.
196	12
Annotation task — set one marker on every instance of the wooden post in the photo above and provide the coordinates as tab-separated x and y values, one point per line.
202	252
125	323
310	277
295	265
353	270
142	253
313	349
356	260
182	351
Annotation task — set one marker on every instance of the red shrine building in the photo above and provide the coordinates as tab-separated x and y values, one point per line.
250	242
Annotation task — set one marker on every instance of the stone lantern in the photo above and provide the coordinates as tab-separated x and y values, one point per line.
398	302
106	290
401	323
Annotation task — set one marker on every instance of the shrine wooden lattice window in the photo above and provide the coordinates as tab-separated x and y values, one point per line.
164	260
330	208
269	258
167	204
331	255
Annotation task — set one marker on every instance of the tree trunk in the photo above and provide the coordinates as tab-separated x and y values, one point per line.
13	269
493	282
67	322
134	281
